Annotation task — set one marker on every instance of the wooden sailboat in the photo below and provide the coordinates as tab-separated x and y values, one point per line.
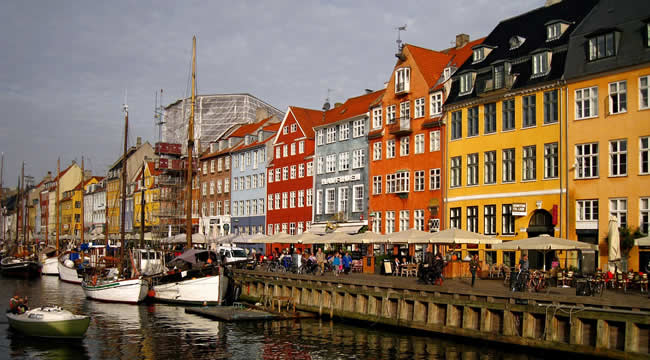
51	264
198	279
117	286
23	263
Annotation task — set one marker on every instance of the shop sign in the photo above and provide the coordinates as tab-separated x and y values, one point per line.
340	179
519	209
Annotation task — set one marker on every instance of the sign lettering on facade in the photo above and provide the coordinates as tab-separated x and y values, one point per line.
519	209
340	179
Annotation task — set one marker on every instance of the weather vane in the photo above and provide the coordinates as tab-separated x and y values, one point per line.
399	41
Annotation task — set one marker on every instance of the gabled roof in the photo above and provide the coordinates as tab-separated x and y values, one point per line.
63	172
251	145
350	108
306	118
430	63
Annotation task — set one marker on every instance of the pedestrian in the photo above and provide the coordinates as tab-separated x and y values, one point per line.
320	260
336	263
474	265
347	263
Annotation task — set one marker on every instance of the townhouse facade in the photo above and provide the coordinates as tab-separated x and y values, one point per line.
608	81
95	206
67	180
341	157
290	173
504	147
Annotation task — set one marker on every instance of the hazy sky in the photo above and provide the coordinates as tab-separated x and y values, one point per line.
65	65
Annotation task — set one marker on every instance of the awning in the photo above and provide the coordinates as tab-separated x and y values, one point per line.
644	241
544	243
458	236
348	228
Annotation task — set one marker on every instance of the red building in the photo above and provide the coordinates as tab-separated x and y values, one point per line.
406	139
290	173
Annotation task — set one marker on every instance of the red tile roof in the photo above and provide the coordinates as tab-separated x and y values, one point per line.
307	119
351	107
249	128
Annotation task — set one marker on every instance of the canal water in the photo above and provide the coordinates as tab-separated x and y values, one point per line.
158	331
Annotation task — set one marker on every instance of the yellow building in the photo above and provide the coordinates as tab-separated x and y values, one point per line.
67	213
68	179
609	127
503	132
151	196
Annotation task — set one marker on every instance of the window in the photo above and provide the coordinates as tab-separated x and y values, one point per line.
376	185
529	163
358	158
587	210
644	155
319	202
540	63
472	169
220	164
508	114
507	220
227	163
205	168
403	220
390	222
402	80
219	186
301	170
455	171
508	165
618	158
499	76
587	102
330	163
601	46
293	152
330	201
405	110
278	153
390	149
618	97
344	161
301	147
418	185
319	165
398	182
434	140
644	92
285	130
292	199
419	144
277	201
248	182
404	146
490	167
550	107
292	172
550	161
301	198
376	151
376	118
309	197
344	198
219	206
418	220
490	120
319	137
211	187
376	223
490	219
331	134
454	218
226	185
390	114
270	202
436	104
478	55
528	111
294	127
553	31
618	208
644	214
357	198
472	121
204	189
310	168
419	107
586	161
344	131
212	166
358	128
466	83
434	179
456	125
285	199
285	173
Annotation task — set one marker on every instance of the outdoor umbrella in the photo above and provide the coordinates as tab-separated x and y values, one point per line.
455	236
410	236
369	237
544	243
614	243
644	241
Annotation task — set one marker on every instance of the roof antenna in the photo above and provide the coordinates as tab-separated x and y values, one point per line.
399	42
327	105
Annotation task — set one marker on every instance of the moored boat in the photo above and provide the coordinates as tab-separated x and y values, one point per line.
50	266
130	291
49	322
68	269
20	267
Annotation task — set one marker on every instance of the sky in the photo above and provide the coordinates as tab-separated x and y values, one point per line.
66	67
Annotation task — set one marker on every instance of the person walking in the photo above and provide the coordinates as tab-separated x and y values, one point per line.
474	265
320	260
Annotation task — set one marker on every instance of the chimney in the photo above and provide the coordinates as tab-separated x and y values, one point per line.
337	104
461	40
138	141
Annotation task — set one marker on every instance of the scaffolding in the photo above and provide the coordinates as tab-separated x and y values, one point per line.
214	116
170	182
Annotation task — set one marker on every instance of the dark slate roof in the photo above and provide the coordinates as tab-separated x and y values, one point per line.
627	16
532	27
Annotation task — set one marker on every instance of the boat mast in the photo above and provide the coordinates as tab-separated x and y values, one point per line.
123	204
22	209
142	203
17	211
190	147
83	215
2	214
58	179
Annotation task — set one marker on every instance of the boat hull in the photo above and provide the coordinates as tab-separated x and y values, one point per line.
208	290
18	268
131	291
50	266
36	323
68	274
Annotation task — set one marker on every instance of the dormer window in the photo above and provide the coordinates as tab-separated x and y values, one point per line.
602	46
479	55
541	63
260	136
402	80
553	31
247	140
466	83
516	41
499	76
285	130
446	73
294	127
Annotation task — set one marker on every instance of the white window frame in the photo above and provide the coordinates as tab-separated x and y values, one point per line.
435	108
418	219
455	173
390	149
358	158
587	161
285	200
343	200
292	172
320	137
310	168
419	108
330	163
644	214
357	198
529	163
344	161
644	91
434	140
301	147
376	185
344	131
618	207
376	151
418	146
541	63
331	135
404	146
358	128
377	120
618	157
434	179
301	198
404	220
586	103
319	202
285	173
292	199
402	80
587	210
301	170
294	127
617	97
644	155
308	195
391	112
330	201
418	180
269	202
390	222
466	83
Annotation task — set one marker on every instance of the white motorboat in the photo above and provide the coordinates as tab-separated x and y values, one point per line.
50	265
68	269
130	291
49	322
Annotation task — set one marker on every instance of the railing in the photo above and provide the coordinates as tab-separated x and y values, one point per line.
403	126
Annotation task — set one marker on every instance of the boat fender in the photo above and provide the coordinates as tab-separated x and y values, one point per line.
93	282
151	293
237	293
